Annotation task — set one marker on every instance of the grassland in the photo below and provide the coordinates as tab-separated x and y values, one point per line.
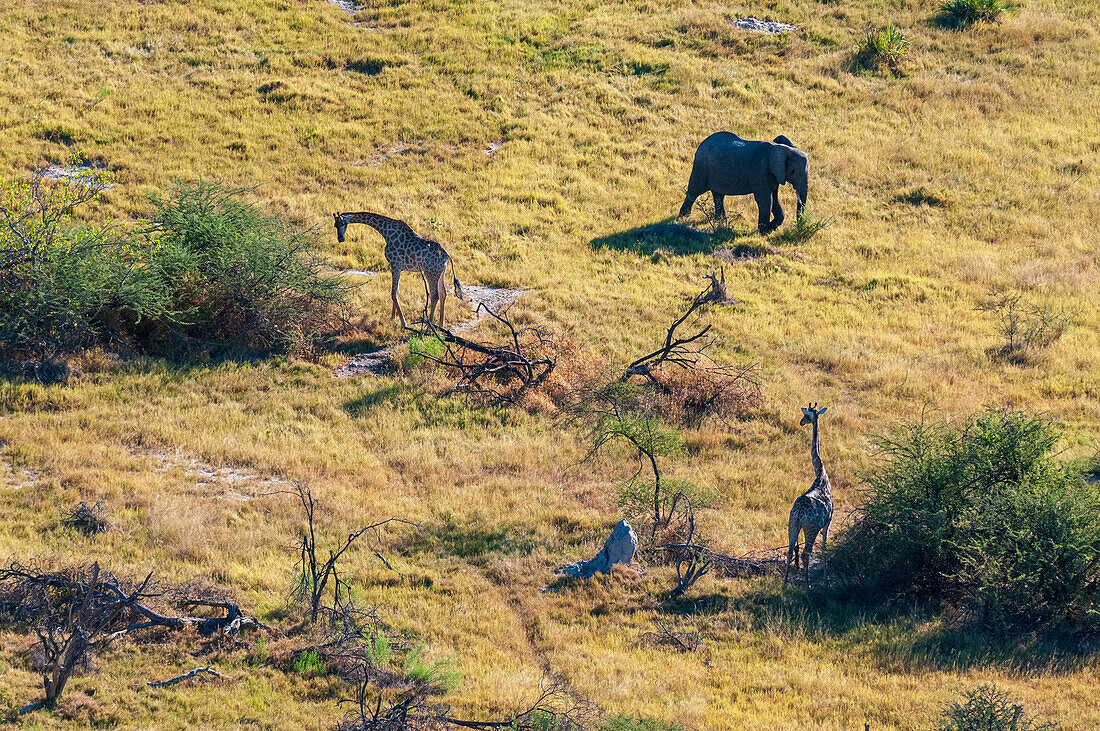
973	167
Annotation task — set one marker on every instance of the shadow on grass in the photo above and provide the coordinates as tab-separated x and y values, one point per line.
364	404
472	541
678	239
892	636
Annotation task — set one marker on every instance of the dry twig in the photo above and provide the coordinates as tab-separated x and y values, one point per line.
495	373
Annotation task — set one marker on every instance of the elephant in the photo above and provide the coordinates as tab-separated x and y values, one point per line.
725	164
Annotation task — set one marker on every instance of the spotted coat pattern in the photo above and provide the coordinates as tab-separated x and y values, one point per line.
812	512
407	252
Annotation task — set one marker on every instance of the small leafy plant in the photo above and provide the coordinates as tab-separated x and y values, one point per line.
440	675
309	663
987	709
965	13
805	228
420	348
885	46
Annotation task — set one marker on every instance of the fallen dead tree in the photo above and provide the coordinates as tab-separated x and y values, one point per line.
411	710
495	373
197	672
689	384
78	611
755	563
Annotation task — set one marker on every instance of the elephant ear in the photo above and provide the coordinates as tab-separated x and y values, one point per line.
777	163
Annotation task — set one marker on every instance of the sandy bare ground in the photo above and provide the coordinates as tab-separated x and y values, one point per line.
222	483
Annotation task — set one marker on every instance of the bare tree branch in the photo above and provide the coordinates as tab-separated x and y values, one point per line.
186	676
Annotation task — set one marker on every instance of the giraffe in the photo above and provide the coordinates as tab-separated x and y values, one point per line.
813	510
407	252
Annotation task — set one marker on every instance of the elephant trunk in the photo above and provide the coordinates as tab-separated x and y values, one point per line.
801	189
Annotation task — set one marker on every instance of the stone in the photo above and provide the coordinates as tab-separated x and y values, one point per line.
619	548
763	26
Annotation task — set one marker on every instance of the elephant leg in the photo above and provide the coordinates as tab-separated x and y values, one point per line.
719	206
777	211
689	201
764	206
697	185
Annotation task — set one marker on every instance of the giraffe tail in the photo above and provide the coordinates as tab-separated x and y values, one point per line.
458	285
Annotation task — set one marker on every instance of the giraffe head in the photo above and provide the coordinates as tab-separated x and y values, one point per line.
809	415
341	225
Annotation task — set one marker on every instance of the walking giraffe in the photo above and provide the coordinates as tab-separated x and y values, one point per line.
407	252
813	510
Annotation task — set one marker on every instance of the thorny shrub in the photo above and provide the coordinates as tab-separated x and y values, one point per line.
979	515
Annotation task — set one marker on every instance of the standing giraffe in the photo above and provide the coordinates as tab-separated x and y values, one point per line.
813	510
407	252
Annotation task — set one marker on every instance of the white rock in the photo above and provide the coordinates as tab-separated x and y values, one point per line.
763	26
619	548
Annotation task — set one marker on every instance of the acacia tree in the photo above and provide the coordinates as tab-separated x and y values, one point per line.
619	413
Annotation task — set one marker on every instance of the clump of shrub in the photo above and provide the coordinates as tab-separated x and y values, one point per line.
208	272
440	675
240	277
964	13
88	519
1026	328
62	286
979	515
309	663
987	709
421	347
805	228
885	46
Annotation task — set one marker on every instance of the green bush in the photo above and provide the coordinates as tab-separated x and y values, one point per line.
987	709
440	675
64	286
309	663
240	277
885	46
421	346
208	272
963	13
979	515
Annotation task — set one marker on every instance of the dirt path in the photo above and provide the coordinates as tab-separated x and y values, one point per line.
376	362
222	483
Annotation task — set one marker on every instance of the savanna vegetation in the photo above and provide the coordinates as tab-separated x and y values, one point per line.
169	345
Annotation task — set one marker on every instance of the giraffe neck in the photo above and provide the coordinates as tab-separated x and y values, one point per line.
388	227
815	454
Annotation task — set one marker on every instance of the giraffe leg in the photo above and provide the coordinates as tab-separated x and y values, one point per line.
441	294
792	552
811	536
824	555
393	295
429	297
792	542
